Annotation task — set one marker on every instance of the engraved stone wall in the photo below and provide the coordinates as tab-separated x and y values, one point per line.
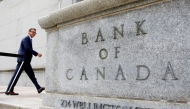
132	59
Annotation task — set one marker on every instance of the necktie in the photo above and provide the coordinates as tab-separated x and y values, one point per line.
31	41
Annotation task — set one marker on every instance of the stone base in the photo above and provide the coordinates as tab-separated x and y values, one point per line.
60	101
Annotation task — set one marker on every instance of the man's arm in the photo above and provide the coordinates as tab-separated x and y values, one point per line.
28	47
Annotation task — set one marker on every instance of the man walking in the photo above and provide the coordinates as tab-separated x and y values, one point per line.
26	50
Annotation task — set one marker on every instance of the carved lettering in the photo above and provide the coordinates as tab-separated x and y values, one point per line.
83	74
169	70
67	74
89	105
138	72
99	35
64	103
125	107
120	72
118	107
101	73
96	106
82	105
69	103
117	31
139	28
116	51
75	104
106	106
113	106
105	52
84	38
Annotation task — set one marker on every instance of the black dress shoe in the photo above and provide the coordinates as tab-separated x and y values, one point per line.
41	89
11	93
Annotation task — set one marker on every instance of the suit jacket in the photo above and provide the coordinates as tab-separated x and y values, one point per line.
26	50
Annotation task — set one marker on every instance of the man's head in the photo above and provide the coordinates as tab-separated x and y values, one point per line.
32	32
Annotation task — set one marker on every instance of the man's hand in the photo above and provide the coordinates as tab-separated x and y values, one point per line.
39	54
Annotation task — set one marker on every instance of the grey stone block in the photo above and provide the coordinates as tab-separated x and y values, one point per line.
162	44
138	54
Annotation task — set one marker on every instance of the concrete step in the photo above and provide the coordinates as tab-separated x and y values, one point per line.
28	98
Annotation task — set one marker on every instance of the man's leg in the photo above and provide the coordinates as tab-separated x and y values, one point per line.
30	73
18	75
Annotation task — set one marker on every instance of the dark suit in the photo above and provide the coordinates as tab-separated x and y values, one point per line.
26	50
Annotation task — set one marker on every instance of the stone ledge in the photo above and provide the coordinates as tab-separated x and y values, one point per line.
57	101
78	10
107	13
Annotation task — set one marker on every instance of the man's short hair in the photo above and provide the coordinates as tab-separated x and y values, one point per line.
31	29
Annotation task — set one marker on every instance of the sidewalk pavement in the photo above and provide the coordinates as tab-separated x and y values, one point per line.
28	98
